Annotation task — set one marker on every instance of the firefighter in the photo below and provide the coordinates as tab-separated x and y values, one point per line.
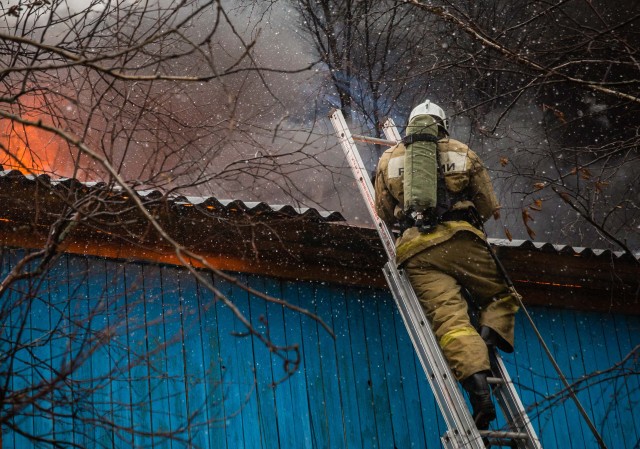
443	251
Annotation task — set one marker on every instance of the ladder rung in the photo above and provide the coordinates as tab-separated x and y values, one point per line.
501	443
502	435
375	140
495	380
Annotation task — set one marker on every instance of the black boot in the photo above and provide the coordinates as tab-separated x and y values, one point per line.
493	339
480	396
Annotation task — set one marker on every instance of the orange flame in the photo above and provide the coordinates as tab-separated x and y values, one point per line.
28	149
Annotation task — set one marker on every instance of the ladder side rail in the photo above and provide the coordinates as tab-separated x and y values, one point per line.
450	400
364	184
390	131
511	405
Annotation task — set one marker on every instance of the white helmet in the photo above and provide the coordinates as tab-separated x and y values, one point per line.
428	108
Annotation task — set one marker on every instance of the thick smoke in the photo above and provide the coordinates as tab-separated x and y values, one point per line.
515	151
263	134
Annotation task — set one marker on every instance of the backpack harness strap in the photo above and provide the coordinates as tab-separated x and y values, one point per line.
408	140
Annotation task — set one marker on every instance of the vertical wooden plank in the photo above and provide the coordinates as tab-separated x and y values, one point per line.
121	388
433	422
328	364
428	416
82	344
593	362
245	364
604	332
346	367
59	344
24	364
265	394
288	430
139	355
550	327
299	411
362	372
195	375
239	378
541	371
21	297
6	335
522	376
173	334
234	389
395	377
101	360
575	370
588	396
377	372
313	370
38	355
212	362
620	393
628	433
157	362
627	330
413	379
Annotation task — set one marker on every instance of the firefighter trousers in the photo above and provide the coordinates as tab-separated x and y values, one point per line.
438	275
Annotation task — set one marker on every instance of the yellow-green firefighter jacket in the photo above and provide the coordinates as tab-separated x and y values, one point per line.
465	178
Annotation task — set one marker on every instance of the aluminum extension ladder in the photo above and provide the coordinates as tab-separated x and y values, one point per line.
462	431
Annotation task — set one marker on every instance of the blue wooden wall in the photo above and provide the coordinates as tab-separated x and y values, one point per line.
173	361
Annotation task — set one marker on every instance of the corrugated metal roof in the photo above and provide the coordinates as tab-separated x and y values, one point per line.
562	249
212	203
252	208
257	207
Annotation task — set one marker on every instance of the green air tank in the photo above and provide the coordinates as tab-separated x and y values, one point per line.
420	166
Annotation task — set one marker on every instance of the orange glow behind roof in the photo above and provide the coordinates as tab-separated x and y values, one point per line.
28	149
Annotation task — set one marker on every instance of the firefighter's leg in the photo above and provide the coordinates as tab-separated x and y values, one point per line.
446	310
497	320
477	271
461	344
